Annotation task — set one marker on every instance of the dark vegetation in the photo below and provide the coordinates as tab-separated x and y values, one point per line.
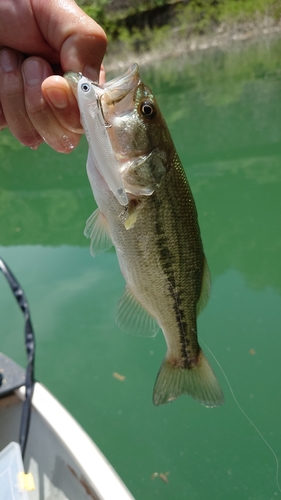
141	26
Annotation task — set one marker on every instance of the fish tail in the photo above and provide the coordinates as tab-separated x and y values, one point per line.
199	382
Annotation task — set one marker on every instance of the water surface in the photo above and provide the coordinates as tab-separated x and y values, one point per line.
223	110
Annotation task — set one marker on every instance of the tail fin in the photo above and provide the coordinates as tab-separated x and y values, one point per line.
199	382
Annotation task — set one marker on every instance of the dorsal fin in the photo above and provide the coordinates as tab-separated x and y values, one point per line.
205	288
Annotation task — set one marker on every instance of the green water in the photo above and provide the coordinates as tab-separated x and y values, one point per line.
224	111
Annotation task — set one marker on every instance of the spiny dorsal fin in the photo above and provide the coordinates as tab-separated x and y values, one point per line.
205	289
97	230
133	318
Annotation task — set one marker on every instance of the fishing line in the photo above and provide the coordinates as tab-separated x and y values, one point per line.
247	417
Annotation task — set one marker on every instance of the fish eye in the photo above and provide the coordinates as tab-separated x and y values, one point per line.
85	87
148	109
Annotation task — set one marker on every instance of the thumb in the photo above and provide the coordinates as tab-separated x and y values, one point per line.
79	40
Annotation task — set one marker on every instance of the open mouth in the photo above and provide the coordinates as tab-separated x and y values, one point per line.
114	90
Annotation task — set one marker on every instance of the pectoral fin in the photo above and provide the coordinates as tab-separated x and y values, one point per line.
133	318
144	175
97	230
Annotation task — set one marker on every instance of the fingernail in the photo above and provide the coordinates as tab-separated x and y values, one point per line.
35	146
91	73
8	60
57	97
34	72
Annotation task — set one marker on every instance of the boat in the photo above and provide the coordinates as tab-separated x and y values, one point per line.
44	453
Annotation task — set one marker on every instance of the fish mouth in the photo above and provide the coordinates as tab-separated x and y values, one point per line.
117	102
116	89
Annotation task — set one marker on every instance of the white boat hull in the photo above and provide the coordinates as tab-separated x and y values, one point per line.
63	459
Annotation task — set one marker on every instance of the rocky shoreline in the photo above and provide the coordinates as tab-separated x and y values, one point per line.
120	56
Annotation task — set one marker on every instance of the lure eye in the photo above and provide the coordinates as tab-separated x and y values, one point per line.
148	109
85	87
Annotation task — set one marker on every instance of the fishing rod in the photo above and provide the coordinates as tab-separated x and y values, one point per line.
30	351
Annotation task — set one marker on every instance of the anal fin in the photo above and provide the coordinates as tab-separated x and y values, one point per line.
133	318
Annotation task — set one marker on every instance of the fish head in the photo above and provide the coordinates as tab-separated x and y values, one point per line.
137	130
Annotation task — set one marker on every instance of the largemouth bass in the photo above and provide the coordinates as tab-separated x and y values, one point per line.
156	234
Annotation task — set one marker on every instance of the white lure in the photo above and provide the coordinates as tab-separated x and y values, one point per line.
88	95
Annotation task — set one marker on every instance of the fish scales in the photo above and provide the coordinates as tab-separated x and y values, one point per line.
156	236
182	273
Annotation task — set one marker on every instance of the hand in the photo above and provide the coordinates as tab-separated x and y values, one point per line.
39	41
